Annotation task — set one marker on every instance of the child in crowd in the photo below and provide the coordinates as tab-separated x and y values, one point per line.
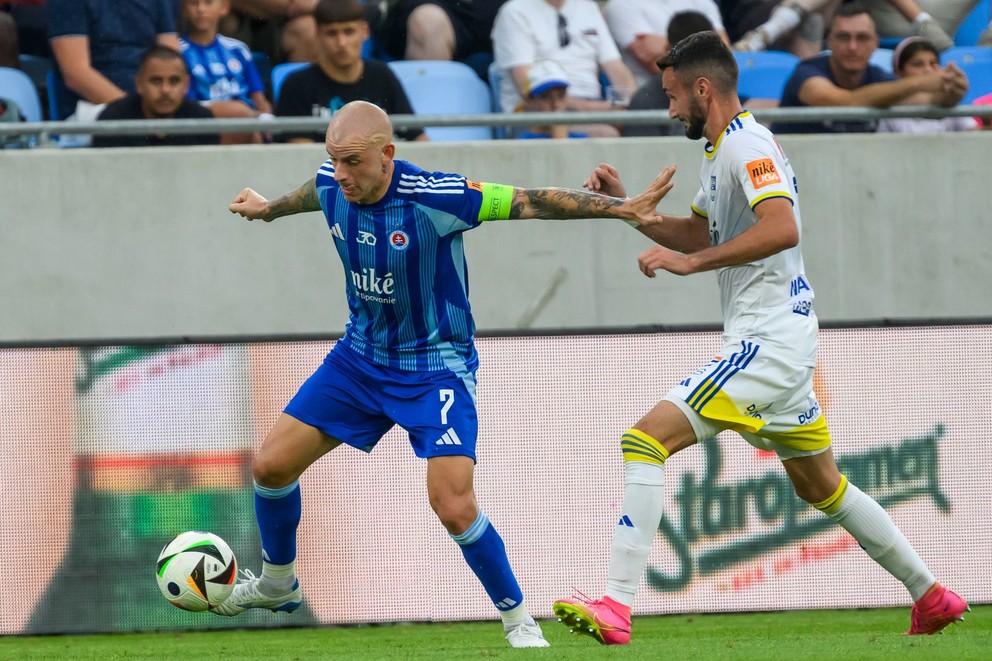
223	75
546	89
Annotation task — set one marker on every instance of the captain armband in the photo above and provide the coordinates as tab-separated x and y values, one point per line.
496	201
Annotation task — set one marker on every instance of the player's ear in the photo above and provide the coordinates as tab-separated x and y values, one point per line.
388	151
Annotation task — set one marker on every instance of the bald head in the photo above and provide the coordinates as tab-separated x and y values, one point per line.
360	122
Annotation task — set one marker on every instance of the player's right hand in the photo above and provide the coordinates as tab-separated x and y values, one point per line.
251	205
605	180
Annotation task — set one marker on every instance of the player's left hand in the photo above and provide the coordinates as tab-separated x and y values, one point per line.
644	207
658	257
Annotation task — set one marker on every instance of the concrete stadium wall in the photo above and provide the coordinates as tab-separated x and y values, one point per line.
105	244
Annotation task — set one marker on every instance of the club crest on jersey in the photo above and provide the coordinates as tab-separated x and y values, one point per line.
399	240
763	173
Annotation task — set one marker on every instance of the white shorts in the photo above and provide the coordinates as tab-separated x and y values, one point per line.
767	398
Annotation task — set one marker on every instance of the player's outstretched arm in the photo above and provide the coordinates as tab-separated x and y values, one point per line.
563	203
253	206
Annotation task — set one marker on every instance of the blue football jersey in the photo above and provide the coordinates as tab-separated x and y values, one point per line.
406	277
222	71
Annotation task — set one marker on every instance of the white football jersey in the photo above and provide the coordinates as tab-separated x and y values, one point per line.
769	300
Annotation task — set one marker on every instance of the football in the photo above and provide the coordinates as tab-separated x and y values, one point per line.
196	571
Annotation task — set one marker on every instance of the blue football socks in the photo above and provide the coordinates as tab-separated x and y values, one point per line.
485	553
278	515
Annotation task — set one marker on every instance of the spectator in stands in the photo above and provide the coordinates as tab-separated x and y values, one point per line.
29	19
161	87
574	34
340	75
916	56
292	20
441	29
223	76
846	78
794	26
640	28
546	91
651	95
97	47
10	52
935	20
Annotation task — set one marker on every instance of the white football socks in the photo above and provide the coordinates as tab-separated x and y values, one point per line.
782	21
641	516
868	523
277	579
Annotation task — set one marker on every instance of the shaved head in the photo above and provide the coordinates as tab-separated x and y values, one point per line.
360	144
360	122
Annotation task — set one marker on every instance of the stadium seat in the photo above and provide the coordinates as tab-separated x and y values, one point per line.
279	73
882	58
499	132
17	86
973	24
445	88
976	62
763	74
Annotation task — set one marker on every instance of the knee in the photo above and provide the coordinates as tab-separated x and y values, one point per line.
426	22
268	471
456	513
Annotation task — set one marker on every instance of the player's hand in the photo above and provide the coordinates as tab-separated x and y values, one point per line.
644	208
251	205
605	180
658	257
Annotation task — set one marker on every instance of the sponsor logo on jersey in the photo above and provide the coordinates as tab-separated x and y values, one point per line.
367	238
474	185
372	287
399	240
763	172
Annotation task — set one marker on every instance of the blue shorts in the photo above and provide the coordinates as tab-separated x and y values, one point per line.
356	402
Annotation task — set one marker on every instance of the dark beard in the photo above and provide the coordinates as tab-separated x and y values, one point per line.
694	126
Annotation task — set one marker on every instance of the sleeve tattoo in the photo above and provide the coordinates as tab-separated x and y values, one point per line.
301	200
562	203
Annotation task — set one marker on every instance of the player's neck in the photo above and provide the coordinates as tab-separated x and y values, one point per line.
721	113
202	37
347	74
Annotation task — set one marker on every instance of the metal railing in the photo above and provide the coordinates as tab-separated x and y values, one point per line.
45	130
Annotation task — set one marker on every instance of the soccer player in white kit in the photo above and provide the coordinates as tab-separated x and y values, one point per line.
745	225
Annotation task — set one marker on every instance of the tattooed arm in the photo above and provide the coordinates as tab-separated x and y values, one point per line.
253	206
562	203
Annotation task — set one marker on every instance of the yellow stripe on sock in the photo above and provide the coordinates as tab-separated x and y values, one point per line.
832	504
638	446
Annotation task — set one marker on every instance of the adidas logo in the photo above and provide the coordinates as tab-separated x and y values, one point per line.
625	521
449	438
506	604
336	231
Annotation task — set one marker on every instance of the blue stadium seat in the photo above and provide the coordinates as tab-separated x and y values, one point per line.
445	88
17	86
976	62
499	132
882	57
763	74
973	24
279	73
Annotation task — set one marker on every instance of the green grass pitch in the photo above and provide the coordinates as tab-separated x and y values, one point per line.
844	635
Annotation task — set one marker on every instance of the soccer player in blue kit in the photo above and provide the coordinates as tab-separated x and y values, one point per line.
407	356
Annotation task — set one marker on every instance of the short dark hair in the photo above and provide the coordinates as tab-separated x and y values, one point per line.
847	10
685	23
160	52
703	54
338	11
